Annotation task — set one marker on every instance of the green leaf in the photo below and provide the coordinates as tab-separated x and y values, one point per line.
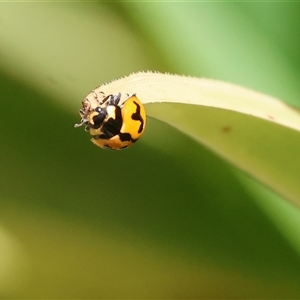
168	217
256	133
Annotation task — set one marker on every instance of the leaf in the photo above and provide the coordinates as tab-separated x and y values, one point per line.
163	219
257	133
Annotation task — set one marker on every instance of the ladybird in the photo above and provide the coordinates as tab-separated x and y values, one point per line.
113	124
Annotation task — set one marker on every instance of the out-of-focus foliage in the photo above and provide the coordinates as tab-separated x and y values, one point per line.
166	218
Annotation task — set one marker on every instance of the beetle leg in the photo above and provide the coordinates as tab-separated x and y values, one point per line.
114	100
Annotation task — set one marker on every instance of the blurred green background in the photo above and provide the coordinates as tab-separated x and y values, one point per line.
166	218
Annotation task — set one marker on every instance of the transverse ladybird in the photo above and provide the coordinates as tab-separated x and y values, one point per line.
112	124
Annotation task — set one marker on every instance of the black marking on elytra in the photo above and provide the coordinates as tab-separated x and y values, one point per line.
110	148
126	137
137	116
